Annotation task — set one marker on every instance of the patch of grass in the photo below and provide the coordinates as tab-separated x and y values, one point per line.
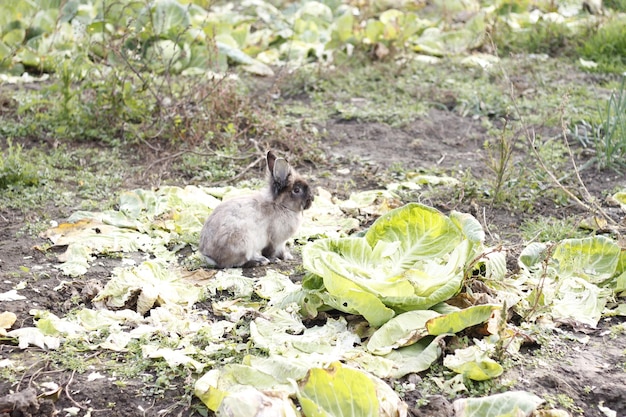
119	105
617	5
607	47
488	387
16	172
519	182
543	37
380	92
78	178
399	93
564	401
71	357
10	374
200	165
550	229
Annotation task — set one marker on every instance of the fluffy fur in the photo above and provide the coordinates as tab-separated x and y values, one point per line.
252	230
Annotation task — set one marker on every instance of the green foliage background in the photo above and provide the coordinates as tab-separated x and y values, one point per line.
192	37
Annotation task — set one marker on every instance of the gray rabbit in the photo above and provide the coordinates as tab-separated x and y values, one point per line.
252	230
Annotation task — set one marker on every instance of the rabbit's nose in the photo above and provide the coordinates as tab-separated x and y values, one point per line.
308	202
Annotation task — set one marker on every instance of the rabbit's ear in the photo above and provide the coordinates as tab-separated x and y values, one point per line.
281	171
271	158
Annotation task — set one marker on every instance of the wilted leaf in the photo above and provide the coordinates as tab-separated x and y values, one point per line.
620	197
117	341
11	295
251	402
261	387
473	363
373	202
154	282
508	404
325	219
33	336
456	321
284	334
52	325
577	279
341	391
580	300
233	281
164	16
173	357
206	388
7	319
249	64
593	259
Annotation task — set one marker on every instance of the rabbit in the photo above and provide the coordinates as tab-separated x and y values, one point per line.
252	230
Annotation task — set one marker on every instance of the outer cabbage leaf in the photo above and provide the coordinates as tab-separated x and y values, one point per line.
337	391
261	385
620	272
402	330
341	391
7	318
459	320
250	402
34	336
415	358
166	16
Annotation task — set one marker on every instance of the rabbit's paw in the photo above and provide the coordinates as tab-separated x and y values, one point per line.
209	261
257	261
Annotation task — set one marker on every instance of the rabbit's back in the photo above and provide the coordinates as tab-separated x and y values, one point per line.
233	233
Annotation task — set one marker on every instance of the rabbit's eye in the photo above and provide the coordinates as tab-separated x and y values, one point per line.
296	190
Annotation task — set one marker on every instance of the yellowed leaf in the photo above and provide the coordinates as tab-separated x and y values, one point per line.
7	319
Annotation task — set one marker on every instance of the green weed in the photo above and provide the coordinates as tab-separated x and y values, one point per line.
379	92
562	400
611	140
499	161
617	330
15	171
72	357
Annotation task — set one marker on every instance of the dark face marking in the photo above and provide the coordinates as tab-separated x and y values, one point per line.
301	190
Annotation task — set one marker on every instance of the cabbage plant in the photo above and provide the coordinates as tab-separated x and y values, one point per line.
412	258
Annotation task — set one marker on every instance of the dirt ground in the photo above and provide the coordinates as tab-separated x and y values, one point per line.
588	368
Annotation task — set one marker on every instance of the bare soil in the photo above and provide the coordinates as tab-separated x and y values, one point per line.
588	368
